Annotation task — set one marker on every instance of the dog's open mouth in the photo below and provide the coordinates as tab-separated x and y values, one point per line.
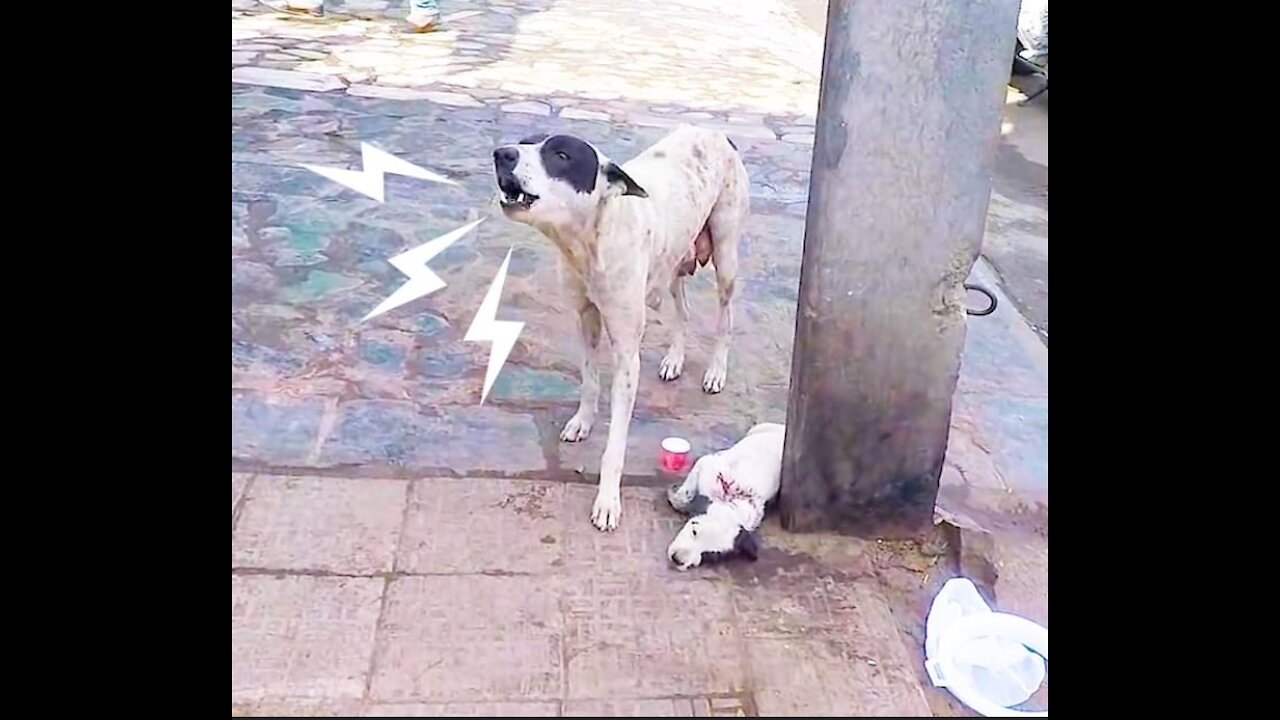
513	196
519	200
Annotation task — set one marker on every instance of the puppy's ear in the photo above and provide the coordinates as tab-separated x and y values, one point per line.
616	176
745	545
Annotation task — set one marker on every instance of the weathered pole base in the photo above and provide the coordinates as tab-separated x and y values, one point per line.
908	120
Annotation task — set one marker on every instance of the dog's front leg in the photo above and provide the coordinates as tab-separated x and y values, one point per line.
625	332
579	426
681	497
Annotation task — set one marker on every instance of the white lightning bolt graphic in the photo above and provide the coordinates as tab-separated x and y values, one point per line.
413	263
502	333
377	163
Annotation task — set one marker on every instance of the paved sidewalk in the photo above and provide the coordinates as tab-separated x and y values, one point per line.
485	596
398	548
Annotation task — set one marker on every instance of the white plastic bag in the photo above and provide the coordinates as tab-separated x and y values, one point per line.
1000	670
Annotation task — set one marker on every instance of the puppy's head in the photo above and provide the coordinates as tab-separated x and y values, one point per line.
712	537
557	180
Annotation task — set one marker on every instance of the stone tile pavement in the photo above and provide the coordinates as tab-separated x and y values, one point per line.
484	596
636	53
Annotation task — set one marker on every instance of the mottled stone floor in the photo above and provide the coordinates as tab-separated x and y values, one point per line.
399	548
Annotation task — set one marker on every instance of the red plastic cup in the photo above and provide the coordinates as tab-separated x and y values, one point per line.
675	454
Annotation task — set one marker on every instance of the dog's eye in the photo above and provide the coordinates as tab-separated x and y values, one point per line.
562	156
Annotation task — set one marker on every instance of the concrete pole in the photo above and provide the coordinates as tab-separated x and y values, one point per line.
908	119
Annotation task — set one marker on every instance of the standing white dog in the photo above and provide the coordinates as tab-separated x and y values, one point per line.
627	235
726	493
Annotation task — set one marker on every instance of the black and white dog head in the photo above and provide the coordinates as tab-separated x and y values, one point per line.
557	181
711	537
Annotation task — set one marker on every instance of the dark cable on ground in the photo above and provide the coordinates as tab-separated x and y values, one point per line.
990	296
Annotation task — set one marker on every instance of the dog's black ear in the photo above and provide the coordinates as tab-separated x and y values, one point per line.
745	545
616	176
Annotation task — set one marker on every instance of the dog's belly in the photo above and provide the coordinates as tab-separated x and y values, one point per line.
677	251
698	255
682	240
686	175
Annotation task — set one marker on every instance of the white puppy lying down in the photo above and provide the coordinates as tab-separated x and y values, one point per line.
726	493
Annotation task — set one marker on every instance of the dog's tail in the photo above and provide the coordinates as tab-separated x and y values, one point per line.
767	427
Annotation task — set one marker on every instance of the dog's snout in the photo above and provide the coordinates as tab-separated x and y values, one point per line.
504	158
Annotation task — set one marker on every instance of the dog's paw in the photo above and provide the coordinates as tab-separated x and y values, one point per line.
713	381
607	511
578	428
678	497
672	365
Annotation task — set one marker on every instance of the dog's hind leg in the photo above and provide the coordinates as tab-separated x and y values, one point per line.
725	224
673	363
579	426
